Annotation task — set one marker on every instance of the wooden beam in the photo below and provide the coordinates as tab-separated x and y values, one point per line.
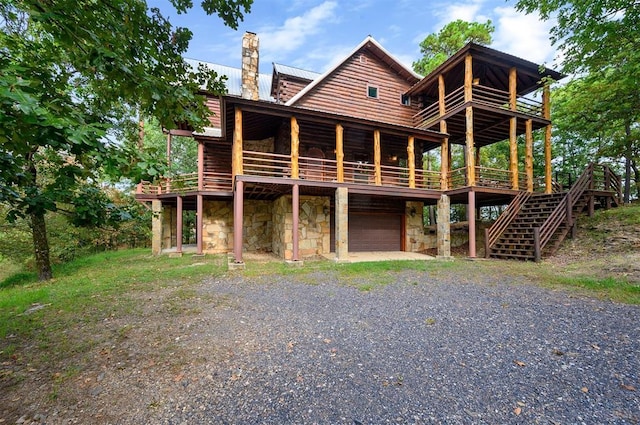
528	164
377	157
295	148
236	152
468	78
340	153
471	217
238	213
169	150
546	107
411	161
469	154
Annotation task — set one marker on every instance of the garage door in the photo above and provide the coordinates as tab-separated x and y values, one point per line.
375	232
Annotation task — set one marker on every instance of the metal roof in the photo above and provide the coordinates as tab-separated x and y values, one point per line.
295	72
234	79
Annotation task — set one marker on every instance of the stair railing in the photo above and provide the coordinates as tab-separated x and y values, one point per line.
500	225
563	212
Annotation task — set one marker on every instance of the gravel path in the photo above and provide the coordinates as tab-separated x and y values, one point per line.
425	349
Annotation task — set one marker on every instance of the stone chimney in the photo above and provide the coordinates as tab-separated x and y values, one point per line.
250	66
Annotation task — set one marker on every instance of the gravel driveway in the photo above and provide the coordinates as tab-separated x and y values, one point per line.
425	349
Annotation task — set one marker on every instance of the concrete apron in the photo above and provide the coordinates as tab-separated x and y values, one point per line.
359	257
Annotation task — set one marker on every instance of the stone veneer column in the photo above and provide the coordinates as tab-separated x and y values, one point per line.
250	66
444	227
342	224
156	227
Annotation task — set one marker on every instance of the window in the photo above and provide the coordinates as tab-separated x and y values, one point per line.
372	92
405	99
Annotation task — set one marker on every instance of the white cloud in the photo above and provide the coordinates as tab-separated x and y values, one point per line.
295	30
525	36
466	11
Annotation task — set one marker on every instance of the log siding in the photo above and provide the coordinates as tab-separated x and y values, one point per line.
346	92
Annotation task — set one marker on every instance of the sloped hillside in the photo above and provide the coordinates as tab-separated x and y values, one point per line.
606	245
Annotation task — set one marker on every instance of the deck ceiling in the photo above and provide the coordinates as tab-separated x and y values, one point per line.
490	125
261	120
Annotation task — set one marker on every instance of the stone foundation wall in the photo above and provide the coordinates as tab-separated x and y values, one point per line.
217	223
314	229
415	238
217	236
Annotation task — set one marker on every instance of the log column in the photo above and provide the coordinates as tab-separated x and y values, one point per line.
513	130
340	153
295	148
236	150
377	157
528	165
445	154
200	165
468	97
411	162
546	107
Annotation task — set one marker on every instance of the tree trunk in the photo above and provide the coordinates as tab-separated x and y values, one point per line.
41	246
636	173
627	163
39	231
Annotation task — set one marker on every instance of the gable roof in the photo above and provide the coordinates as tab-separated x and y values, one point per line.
234	79
380	52
294	72
486	58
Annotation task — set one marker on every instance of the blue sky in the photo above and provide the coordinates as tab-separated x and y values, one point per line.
315	34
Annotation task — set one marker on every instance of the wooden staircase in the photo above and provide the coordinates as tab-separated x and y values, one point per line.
535	224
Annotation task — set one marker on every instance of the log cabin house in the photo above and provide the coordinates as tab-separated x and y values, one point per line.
303	164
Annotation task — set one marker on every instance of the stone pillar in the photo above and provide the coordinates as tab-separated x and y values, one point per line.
168	213
250	66
156	227
342	224
444	227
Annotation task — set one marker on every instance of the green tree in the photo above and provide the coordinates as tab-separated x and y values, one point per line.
71	72
599	40
436	48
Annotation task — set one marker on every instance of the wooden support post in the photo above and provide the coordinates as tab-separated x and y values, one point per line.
444	163
469	151
445	156
236	151
546	106
468	78
340	153
199	223
295	148
377	157
513	130
537	251
295	200
487	248
528	164
179	225
200	165
169	149
411	161
238	212
471	217
569	210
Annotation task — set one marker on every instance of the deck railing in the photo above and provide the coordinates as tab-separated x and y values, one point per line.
480	94
272	165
